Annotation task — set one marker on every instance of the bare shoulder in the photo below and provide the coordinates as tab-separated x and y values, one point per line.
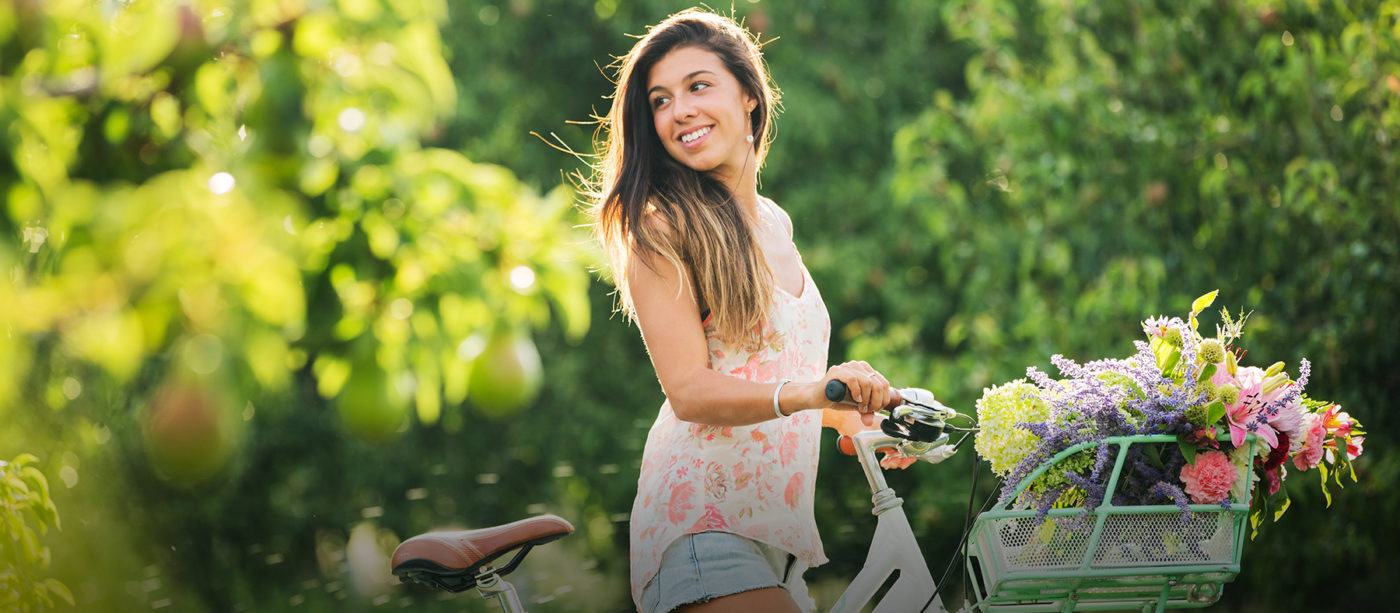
653	223
652	232
782	215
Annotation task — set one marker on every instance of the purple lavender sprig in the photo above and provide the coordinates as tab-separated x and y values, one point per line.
1111	397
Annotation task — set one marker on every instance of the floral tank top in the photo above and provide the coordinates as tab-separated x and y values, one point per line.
754	481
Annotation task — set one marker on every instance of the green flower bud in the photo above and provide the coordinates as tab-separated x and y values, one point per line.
1274	382
1173	337
1231	365
1211	352
1229	394
1197	415
1274	370
1212	391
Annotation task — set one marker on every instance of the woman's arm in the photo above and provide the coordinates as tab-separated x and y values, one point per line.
844	422
669	318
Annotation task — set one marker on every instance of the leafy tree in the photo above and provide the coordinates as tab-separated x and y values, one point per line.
221	214
1114	160
1013	179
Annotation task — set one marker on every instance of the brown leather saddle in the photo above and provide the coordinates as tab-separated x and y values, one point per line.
455	560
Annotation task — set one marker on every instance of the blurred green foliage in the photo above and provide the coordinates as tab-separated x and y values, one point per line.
222	213
27	512
273	228
1113	160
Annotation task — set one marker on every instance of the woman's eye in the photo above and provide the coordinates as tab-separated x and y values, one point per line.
658	101
698	85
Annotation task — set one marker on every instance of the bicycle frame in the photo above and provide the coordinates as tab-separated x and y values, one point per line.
893	548
490	585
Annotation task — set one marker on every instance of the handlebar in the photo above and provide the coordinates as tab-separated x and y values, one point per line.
915	428
914	415
836	391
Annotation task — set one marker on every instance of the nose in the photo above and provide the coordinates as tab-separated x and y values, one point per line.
682	108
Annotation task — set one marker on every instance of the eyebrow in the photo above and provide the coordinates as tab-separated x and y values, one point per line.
687	78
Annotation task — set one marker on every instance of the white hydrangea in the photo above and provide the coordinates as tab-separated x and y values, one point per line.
999	410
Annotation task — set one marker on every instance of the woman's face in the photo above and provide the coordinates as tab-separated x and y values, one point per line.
701	113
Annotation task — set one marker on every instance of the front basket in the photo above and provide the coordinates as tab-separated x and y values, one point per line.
1111	558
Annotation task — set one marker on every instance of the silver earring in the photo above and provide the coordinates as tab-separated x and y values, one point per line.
749	138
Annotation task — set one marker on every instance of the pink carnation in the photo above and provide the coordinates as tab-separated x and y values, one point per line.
1209	480
1311	453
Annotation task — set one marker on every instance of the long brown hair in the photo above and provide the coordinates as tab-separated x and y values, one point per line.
645	201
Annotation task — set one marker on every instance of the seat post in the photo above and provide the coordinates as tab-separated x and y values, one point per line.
489	584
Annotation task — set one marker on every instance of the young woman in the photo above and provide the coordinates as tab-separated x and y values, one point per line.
736	330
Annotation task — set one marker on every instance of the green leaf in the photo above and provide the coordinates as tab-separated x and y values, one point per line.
331	373
15	524
1322	470
1215	412
1168	362
1283	504
1188	450
1154	456
1206	373
56	587
1201	304
569	290
17	485
135	38
38	483
428	394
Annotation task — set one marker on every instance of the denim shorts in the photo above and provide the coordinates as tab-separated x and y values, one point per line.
706	565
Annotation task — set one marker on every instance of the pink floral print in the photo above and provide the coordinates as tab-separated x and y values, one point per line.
680	503
755	481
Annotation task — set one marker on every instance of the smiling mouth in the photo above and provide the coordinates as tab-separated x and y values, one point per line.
690	137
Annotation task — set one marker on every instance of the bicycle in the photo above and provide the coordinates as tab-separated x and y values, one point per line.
1134	557
915	427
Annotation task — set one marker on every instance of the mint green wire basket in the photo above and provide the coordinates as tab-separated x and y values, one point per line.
1115	558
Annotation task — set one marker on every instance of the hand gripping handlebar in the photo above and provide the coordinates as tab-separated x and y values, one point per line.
914	415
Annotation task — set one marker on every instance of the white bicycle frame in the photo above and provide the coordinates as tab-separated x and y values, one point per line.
893	547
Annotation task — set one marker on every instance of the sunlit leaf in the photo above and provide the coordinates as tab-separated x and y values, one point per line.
316	35
569	290
56	587
1201	304
113	340
331	373
268	358
136	36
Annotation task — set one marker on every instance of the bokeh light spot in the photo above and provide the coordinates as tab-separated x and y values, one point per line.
401	308
522	278
221	183
351	119
72	388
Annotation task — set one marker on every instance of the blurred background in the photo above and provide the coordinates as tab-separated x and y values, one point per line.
287	281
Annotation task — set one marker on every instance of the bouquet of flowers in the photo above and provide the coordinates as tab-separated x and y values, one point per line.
1235	426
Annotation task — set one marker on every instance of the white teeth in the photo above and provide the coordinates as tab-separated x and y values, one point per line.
694	135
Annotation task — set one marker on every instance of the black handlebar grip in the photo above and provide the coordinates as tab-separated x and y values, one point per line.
835	390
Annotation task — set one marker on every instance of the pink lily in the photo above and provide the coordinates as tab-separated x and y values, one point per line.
1246	409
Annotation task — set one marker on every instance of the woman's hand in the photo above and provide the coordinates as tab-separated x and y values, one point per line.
871	392
848	423
866	387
